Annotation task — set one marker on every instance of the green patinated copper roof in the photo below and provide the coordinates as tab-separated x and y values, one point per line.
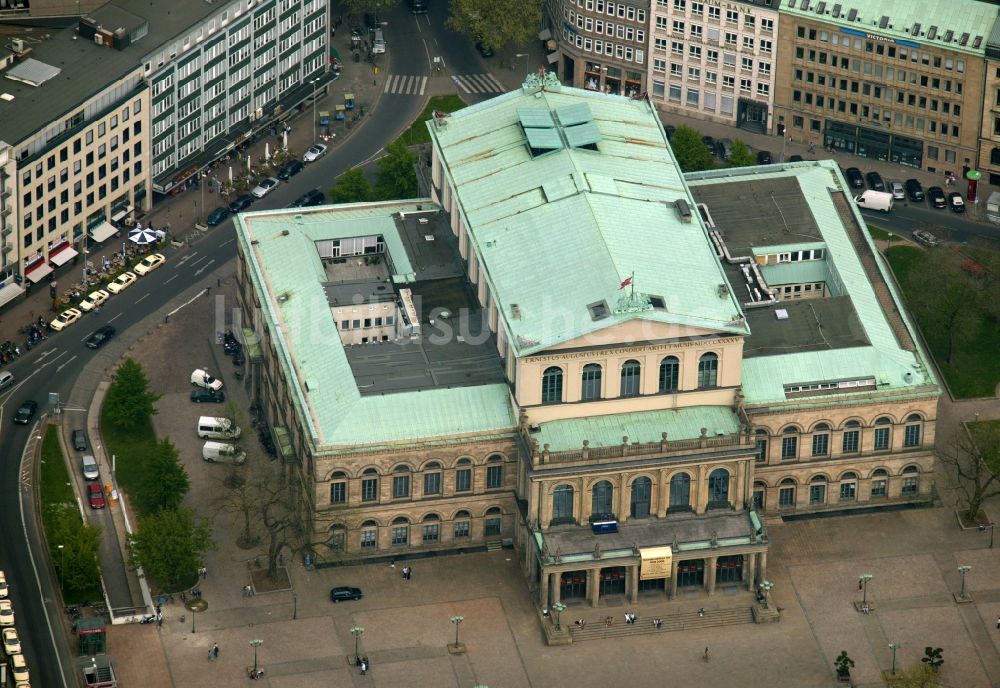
642	427
897	18
559	230
288	273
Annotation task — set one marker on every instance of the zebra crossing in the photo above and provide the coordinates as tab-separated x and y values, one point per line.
404	85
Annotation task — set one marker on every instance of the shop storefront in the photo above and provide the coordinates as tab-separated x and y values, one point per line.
875	144
592	76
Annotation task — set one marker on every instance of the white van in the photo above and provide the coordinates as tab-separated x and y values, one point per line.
222	452
378	45
212	428
875	200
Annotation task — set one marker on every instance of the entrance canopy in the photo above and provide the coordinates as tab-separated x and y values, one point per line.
9	292
62	255
102	232
39	272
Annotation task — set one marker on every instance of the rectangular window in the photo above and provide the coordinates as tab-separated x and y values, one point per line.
494	477
786	497
463	480
878	487
432	484
821	445
400	535
848	491
369	489
761	451
491	526
909	486
817	494
338	493
881	439
369	538
911	436
461	529
400	486
850	441
431	531
789	447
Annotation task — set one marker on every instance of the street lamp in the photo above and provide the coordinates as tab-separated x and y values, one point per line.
963	570
255	644
457	620
894	647
863	579
295	606
992	527
765	587
201	187
525	56
357	631
62	568
313	82
558	607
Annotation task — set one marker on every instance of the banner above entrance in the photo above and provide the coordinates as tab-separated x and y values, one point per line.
656	562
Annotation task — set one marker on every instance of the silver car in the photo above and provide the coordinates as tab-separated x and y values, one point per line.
897	190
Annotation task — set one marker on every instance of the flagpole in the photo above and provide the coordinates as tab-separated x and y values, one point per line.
632	284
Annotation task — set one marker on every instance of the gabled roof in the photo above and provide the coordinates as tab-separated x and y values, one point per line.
566	194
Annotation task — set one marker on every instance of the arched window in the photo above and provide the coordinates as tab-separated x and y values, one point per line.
642	490
494	472
849	486
552	384
790	443
760	439
401	482
759	494
400	530
670	370
880	483
601	498
432	478
591	378
463	524
562	504
680	492
493	521
369	534
821	440
786	493
911	481
337	538
463	475
817	489
718	488
338	488
883	433
431	529
369	485
911	432
631	375
708	370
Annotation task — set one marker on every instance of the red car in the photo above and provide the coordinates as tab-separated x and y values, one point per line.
96	495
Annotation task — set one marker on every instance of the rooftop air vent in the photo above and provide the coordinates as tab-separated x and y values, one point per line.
722	291
599	310
964	39
915	31
977	42
931	33
948	35
284	232
836	11
515	311
683	210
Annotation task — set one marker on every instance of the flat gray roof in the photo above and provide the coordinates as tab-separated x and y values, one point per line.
812	325
87	68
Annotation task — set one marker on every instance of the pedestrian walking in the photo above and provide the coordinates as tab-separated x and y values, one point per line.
215	651
203	572
705	656
211	656
860	585
701	611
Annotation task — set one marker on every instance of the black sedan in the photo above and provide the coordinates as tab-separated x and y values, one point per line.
101	336
290	169
218	216
483	49
211	396
937	198
241	203
875	182
956	202
308	199
26	411
764	158
914	189
343	592
854	178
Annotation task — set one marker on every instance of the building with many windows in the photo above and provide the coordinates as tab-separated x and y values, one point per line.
714	60
731	348
989	140
600	45
886	80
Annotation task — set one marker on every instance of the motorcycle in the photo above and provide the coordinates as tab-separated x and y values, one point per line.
148	619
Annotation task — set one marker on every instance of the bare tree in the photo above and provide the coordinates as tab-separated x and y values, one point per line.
973	454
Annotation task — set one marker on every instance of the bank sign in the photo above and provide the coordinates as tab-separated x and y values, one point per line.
880	39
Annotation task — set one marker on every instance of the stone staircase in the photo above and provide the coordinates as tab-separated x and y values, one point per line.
596	628
494	545
842	202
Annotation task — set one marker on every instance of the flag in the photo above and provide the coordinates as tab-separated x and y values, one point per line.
626	282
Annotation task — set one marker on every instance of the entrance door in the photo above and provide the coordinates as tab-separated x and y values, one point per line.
691	573
573	584
613	581
642	488
729	569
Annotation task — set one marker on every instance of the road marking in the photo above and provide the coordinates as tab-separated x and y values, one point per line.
142	297
203	267
199	260
115	318
224	243
405	85
478	83
63	365
170	280
185	258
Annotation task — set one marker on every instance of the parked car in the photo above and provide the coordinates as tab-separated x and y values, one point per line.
6	379
218	216
79	440
6	613
265	187
723	148
309	198
669	130
88	467
122	282
484	50
12	644
915	191
65	319
149	263
344	592
875	182
764	158
709	142
3	585
854	178
956	202
101	336
315	152
211	396
94	300
935	195
25	412
290	169
241	203
19	671
922	236
795	158
897	191
95	495
201	378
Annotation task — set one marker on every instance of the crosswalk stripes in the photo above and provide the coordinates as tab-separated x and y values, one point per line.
405	85
479	83
410	85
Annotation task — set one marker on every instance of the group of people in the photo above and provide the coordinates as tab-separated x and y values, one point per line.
364	664
629	618
213	652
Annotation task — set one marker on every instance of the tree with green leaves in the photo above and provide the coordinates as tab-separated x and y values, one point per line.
351	187
169	546
932	658
690	150
166	480
76	561
740	155
497	23
396	178
129	400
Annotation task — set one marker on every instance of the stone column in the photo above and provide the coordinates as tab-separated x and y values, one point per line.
662	497
583	503
761	566
672	589
535	504
545	506
701	490
543	590
710	574
632	579
554	588
748	571
624	498
593	587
